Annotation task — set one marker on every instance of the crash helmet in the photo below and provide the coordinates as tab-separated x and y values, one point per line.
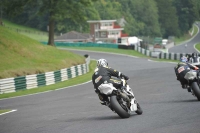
102	62
184	59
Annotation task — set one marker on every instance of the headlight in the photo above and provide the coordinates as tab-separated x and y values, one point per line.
190	75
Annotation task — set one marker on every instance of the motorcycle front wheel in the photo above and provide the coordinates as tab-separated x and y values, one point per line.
118	108
196	90
139	109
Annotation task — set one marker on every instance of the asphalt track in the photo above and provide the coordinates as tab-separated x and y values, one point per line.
167	107
189	48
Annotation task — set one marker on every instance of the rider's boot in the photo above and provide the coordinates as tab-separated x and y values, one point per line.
107	103
104	99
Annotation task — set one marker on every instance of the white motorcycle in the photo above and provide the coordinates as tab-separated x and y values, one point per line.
121	100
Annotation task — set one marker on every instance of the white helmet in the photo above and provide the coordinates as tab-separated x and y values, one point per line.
102	62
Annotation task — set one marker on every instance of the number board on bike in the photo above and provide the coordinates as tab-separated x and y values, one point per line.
181	69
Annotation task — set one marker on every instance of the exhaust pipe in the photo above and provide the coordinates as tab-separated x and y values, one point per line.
124	96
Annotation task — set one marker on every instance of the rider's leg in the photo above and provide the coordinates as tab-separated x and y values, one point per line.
103	97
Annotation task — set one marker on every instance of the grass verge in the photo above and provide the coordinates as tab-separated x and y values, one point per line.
197	46
20	56
27	31
4	111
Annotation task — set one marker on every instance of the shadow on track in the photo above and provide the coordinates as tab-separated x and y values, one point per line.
111	117
183	101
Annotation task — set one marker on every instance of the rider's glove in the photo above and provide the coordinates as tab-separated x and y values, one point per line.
125	77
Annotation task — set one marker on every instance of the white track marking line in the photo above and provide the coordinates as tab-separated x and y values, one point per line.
47	91
8	112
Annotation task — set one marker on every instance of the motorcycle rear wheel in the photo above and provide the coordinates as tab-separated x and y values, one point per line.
118	108
196	90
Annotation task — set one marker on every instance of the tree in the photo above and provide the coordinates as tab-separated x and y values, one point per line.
108	9
57	10
144	16
68	24
167	18
187	12
149	15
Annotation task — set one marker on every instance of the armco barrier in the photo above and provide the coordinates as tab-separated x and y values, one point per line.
170	56
33	81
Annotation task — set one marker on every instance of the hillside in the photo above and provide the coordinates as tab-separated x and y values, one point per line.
27	31
21	55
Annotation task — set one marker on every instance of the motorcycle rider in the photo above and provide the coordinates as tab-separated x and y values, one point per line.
194	58
103	81
188	56
182	68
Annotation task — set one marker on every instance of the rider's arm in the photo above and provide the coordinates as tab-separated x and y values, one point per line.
192	66
176	72
113	72
93	81
117	74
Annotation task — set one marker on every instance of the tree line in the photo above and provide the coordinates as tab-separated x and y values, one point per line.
161	18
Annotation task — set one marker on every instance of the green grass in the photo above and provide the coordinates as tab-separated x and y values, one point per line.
186	36
4	111
77	80
14	26
27	31
198	46
20	56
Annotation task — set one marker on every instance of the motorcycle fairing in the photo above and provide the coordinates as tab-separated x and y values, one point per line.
133	104
190	75
106	89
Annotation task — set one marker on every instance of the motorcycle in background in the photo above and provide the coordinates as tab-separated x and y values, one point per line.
190	80
194	59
